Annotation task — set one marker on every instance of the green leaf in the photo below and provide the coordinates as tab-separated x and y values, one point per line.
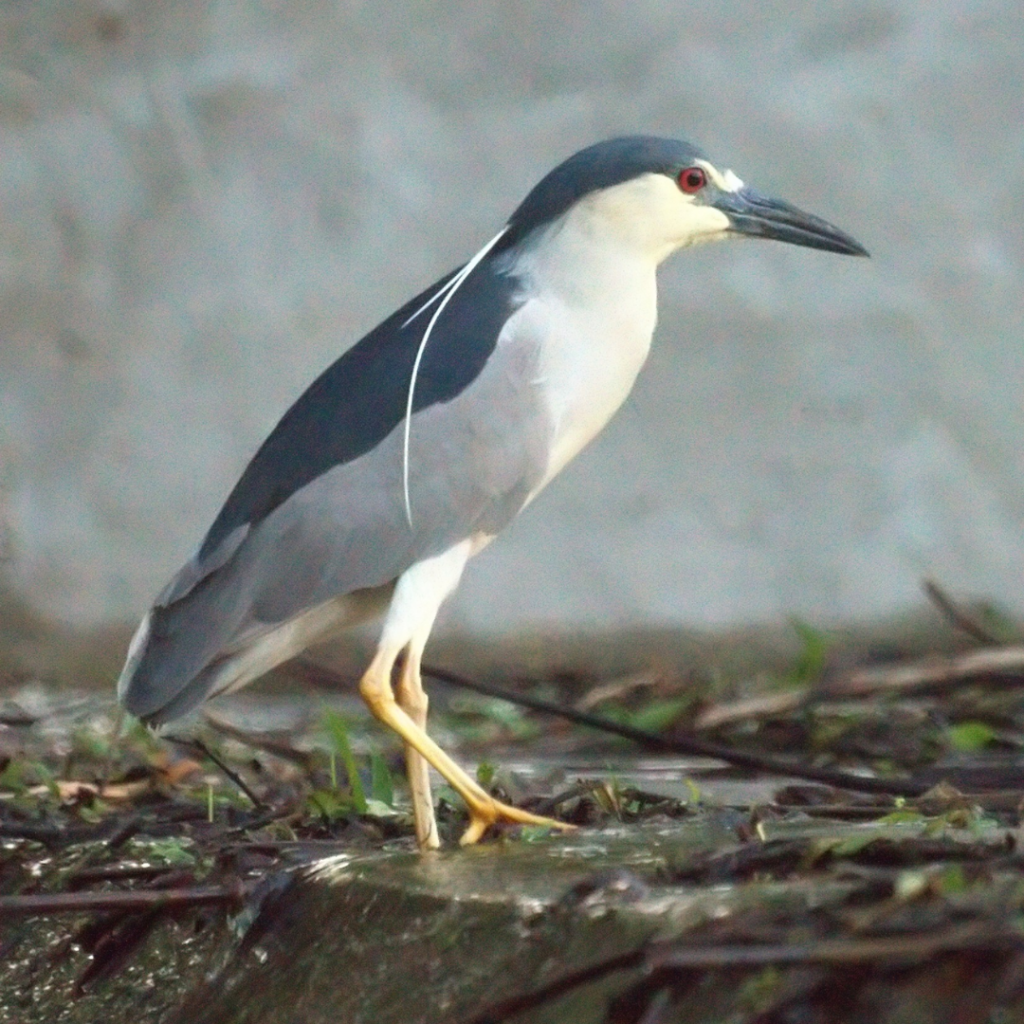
12	778
485	771
448	795
849	846
382	788
328	803
379	809
480	717
173	850
811	661
535	833
968	737
952	879
337	730
901	817
658	715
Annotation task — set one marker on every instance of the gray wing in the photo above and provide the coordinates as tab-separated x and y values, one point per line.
473	462
473	459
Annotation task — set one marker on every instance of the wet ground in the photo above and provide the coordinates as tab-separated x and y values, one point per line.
269	875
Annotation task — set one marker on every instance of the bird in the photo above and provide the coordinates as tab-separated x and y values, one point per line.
421	442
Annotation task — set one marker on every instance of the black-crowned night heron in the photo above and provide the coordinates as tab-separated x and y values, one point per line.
410	453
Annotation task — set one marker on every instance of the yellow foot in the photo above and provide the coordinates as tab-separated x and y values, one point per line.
483	815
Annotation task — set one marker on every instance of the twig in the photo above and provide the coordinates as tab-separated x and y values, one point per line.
959	617
690	745
766	705
664	956
200	747
37	905
687	745
1000	661
125	831
115	873
932	673
617	689
75	789
258	821
900	948
274	743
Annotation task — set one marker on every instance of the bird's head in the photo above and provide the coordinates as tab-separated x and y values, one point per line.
659	195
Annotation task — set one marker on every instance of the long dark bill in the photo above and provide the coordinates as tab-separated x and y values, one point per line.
762	217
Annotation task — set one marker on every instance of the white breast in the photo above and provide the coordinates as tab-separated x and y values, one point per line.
589	365
590	314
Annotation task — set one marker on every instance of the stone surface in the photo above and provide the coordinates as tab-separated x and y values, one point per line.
439	938
460	936
202	204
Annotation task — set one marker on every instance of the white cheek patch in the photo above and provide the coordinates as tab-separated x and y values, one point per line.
732	182
726	181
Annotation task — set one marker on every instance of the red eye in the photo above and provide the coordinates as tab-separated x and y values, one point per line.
693	179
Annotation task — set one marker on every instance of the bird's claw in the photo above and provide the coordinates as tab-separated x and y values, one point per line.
482	816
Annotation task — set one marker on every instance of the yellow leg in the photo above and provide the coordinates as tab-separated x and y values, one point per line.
484	810
413	700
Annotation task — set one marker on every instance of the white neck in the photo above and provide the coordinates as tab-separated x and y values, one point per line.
591	309
590	285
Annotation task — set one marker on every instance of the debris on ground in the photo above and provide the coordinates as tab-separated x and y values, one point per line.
130	863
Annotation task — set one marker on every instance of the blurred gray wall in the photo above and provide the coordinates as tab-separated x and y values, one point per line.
203	204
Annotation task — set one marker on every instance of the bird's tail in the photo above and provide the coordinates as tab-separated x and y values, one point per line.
162	681
147	689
